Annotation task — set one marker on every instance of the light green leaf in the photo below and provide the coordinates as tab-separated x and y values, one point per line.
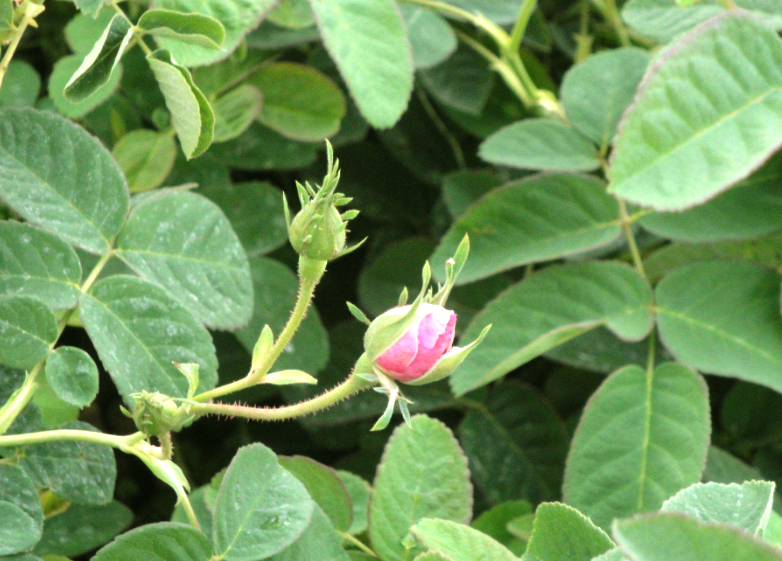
705	89
359	491
664	537
72	375
642	437
89	7
21	517
596	92
27	330
96	68
746	506
292	14
261	508
540	144
299	102
191	115
235	111
722	467
561	532
319	542
368	42
80	529
146	158
193	28
61	74
722	317
53	173
536	219
38	264
238	17
499	11
457	542
494	523
423	474
83	30
165	540
549	308
431	38
516	444
139	331
77	471
184	242
21	85
462	82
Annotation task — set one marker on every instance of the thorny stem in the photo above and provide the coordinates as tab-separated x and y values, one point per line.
30	13
166	446
113	440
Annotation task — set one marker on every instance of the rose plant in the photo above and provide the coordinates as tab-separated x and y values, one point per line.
566	337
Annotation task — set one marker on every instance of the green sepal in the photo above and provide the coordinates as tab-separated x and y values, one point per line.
385	418
289	377
449	362
453	267
190	371
262	346
357	313
167	471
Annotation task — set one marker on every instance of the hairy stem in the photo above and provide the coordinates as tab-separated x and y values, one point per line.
113	440
30	13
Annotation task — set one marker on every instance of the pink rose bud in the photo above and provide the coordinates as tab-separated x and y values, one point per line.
429	338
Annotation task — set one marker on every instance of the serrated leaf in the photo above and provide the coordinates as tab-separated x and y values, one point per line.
516	444
540	144
596	91
562	532
72	375
55	174
423	474
139	331
299	102
536	219
431	38
185	243
38	264
146	158
720	79
642	437
368	43
549	308
191	115
722	317
261	508
235	111
21	517
359	492
77	471
81	528
96	68
166	540
457	542
196	29
663	537
27	330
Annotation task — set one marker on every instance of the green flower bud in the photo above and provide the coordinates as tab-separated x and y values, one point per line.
155	414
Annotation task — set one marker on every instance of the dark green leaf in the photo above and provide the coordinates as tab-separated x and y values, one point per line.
164	540
28	328
72	375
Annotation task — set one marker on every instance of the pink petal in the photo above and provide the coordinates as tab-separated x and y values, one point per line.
429	354
399	356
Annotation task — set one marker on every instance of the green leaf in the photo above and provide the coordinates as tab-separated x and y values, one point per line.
191	115
540	144
146	158
238	17
368	43
359	491
325	487
516	444
89	7
203	502
319	542
165	540
463	188
457	542
299	102
463	82
642	437
21	517
423	474
746	506
260	148
275	295
61	74
494	523
185	243
431	38
27	330
702	91
84	30
664	537
77	471
536	219
21	85
596	92
139	331
54	174
499	11
72	375
235	111
196	29
29	419
722	317
292	14
663	20
721	467
549	308
38	264
81	528
96	68
261	508
561	532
